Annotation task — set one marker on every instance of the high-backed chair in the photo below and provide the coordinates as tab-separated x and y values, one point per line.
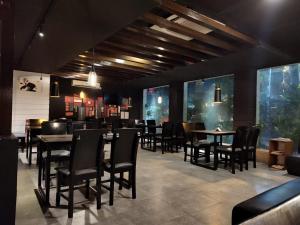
75	125
251	143
85	164
236	150
122	160
166	137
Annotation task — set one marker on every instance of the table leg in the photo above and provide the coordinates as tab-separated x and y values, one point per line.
215	153
27	142
40	164
47	178
30	151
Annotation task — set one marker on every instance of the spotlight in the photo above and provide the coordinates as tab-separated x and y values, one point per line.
41	33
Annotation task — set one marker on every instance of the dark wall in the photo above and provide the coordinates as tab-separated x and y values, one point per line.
244	111
176	102
109	90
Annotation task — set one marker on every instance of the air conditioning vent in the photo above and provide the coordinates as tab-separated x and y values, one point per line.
84	84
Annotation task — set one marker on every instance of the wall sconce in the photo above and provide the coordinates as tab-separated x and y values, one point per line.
54	89
218	96
82	95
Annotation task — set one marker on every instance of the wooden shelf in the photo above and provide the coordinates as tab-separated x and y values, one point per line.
279	148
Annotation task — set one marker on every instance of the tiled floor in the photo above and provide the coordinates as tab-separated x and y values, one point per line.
169	191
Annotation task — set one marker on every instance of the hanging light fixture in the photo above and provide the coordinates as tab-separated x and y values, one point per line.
218	96
92	79
54	89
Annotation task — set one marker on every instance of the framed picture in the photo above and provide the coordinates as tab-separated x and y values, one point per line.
30	84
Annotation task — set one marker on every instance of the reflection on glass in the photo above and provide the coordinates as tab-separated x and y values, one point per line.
278	103
199	103
156	104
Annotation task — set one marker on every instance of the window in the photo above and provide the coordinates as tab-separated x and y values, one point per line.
156	104
278	103
199	103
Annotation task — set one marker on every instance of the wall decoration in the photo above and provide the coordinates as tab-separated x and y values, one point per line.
30	84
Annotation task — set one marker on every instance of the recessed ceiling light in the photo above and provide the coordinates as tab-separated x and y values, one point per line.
105	63
119	61
82	56
161	48
41	34
159	55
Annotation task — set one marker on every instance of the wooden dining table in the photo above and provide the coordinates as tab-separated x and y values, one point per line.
215	134
47	144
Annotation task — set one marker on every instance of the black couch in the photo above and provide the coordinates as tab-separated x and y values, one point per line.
266	202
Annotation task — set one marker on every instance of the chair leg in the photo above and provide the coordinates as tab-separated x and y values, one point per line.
254	158
232	159
121	180
30	154
71	200
241	155
246	158
185	153
133	181
226	160
111	188
87	189
58	191
163	146
98	195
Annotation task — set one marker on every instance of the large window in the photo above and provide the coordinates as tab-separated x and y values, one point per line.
199	103
156	104
278	103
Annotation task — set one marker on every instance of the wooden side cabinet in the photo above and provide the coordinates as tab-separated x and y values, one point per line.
279	149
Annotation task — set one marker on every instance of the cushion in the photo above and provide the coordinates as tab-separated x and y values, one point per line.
118	166
57	154
227	149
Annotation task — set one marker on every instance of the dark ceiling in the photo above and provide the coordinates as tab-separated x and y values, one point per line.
73	26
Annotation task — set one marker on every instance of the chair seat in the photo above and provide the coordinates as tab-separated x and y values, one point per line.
199	143
118	166
57	154
79	175
227	149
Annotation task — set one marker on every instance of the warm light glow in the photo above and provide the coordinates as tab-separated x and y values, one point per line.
159	100
82	95
82	56
120	61
92	79
159	55
161	48
41	34
97	64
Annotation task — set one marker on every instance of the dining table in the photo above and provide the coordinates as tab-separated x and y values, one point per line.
216	134
47	144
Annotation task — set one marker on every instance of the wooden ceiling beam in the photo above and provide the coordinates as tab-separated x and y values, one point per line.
205	38
201	19
144	52
107	52
167	47
175	40
154	50
112	63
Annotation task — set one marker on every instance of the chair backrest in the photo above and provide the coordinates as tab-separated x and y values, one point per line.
51	128
179	130
252	137
131	123
124	146
167	129
240	137
87	149
92	124
151	126
76	125
200	126
116	123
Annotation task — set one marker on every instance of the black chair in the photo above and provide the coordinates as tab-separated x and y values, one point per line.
92	124
198	143
60	153
116	123
75	125
123	159
166	138
250	151
180	137
85	164
236	150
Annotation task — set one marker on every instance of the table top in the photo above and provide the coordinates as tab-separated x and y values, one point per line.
32	127
56	138
65	138
214	132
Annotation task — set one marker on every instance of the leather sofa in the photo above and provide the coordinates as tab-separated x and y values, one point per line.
273	205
